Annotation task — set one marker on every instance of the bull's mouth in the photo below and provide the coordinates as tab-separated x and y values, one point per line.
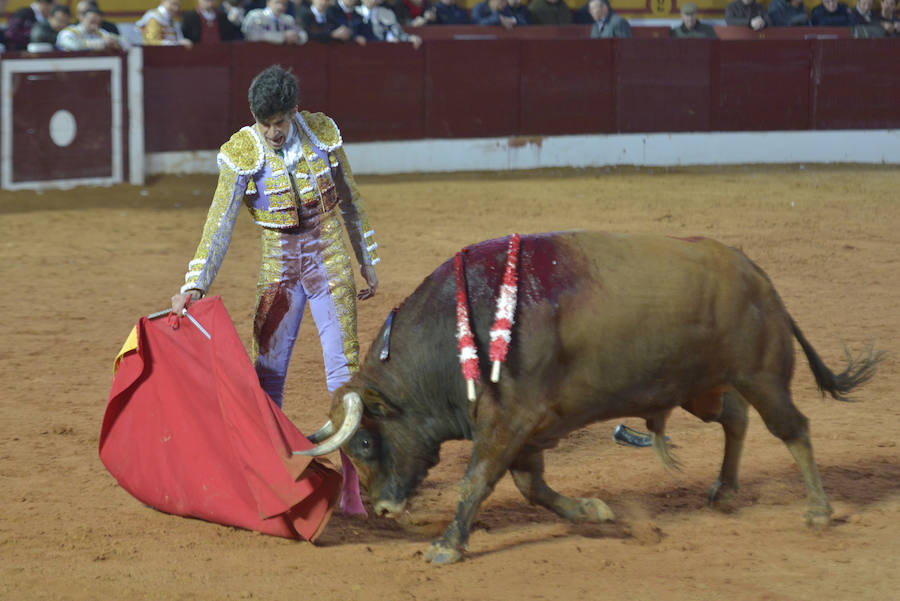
390	509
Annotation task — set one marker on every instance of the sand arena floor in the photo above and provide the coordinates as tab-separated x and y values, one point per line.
79	268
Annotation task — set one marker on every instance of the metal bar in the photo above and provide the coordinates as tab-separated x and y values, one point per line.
196	323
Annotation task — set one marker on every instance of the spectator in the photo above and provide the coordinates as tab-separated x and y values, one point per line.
830	13
158	26
105	25
497	12
549	12
413	13
313	19
607	24
272	24
788	13
20	24
381	24
87	34
862	13
691	27
519	11
747	13
342	14
448	12
888	18
582	16
208	25
46	32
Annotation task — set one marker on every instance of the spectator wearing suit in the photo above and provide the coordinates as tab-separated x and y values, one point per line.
448	12
380	24
788	13
498	12
208	25
313	19
549	12
87	34
691	27
46	32
862	14
887	18
747	13
607	24
272	24
18	29
830	13
342	14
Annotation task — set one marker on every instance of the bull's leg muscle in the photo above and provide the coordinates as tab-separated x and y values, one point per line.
733	418
773	401
497	442
528	473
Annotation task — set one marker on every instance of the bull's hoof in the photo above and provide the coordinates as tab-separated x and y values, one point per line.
818	519
439	553
722	497
593	510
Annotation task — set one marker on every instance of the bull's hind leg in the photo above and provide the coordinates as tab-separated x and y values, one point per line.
733	418
528	473
773	401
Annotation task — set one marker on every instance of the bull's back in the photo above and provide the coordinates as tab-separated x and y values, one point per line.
653	318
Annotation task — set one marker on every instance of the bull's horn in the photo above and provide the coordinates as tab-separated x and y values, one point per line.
353	408
322	433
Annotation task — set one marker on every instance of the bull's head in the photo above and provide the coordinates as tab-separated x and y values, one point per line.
390	453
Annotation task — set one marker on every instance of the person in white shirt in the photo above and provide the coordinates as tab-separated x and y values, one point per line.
272	24
87	34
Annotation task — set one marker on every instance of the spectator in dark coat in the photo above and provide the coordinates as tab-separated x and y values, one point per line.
497	12
747	13
45	32
888	18
18	29
550	12
788	13
314	20
105	25
346	22
830	13
412	13
691	27
607	24
208	24
448	12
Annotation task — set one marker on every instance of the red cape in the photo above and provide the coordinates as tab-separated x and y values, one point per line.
188	430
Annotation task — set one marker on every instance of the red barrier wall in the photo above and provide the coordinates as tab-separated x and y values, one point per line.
532	85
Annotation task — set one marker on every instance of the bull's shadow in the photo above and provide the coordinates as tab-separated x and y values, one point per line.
860	484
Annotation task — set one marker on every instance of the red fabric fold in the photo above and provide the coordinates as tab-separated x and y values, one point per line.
188	430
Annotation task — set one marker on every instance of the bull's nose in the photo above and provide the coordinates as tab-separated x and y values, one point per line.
389	508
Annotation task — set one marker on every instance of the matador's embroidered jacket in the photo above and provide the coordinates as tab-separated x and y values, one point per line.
250	172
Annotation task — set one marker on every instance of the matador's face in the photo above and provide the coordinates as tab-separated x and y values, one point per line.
277	129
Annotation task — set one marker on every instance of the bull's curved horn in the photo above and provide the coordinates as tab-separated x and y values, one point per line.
353	407
322	433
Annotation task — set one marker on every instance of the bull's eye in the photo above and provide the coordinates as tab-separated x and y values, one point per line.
364	446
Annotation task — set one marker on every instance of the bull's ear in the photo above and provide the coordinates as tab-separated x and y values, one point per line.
378	404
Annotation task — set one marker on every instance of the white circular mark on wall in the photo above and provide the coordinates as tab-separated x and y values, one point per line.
62	128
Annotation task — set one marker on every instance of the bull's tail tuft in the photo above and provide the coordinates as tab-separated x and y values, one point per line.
859	370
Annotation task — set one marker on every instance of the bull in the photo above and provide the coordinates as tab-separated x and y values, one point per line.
607	326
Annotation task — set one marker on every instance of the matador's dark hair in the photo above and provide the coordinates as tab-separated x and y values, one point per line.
273	91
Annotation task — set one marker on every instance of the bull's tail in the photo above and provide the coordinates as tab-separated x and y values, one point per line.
858	371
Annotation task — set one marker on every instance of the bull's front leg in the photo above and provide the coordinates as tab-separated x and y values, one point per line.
496	442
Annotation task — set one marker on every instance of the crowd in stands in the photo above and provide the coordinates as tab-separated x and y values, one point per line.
46	26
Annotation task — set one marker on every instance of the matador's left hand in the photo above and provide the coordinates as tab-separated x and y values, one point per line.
368	273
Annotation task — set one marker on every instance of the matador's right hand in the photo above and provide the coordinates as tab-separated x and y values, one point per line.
183	299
